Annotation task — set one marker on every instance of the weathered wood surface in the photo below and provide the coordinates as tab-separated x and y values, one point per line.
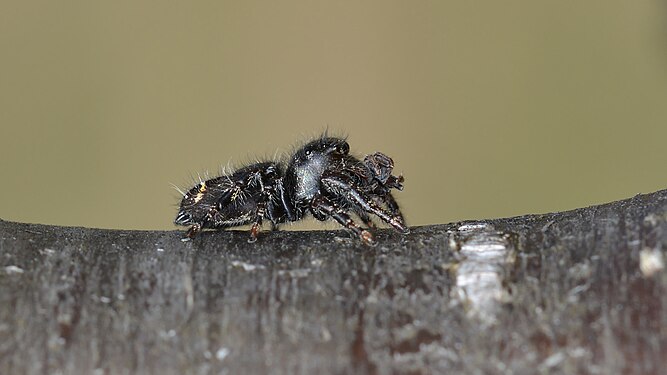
573	292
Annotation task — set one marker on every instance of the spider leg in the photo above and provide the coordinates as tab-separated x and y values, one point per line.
363	215
260	213
368	204
274	226
323	207
192	232
392	206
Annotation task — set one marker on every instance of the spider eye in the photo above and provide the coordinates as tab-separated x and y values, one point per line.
308	152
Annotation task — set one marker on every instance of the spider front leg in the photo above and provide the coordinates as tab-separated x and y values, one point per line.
394	218
392	206
323	208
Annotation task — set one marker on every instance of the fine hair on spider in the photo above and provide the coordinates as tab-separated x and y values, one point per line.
319	178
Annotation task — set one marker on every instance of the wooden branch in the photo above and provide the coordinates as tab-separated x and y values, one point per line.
582	291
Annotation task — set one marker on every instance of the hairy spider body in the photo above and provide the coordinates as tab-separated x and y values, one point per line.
321	178
246	196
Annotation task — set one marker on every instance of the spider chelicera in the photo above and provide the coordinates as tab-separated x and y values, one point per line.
321	178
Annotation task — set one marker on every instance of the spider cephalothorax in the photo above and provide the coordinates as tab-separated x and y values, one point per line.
321	178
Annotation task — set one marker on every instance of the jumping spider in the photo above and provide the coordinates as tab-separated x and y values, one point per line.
321	178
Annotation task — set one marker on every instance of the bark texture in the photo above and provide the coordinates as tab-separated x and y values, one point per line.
582	291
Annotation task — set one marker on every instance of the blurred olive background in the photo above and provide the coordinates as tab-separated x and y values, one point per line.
489	108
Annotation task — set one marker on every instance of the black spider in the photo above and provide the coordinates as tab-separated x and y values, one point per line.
321	178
